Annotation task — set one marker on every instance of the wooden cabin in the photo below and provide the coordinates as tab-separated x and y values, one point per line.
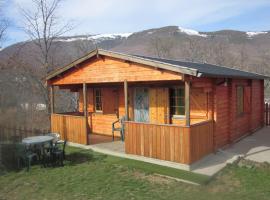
174	110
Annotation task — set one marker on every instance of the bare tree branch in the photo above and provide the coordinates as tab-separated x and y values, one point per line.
43	26
162	47
4	23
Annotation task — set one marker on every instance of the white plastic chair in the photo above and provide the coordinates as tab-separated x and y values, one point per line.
56	137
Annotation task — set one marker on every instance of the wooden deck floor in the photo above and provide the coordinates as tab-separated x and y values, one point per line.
97	139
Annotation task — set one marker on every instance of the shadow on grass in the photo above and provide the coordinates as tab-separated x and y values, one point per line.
2	170
79	157
8	157
74	156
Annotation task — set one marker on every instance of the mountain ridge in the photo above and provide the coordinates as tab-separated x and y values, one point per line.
237	49
187	31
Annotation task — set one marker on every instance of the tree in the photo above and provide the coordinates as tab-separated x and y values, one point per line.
194	50
43	27
162	47
20	93
3	28
243	57
84	46
3	23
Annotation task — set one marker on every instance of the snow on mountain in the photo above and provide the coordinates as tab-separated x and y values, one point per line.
97	38
71	39
251	34
111	36
191	32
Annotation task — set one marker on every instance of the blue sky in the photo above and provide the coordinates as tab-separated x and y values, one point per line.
120	16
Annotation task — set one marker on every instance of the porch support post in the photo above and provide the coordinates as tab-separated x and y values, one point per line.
52	98
85	99
187	102
126	99
85	111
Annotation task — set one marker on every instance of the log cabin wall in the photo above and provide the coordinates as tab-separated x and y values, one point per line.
201	106
222	116
239	123
101	122
257	91
229	125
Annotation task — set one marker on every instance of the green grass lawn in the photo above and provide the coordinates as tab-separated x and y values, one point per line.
89	175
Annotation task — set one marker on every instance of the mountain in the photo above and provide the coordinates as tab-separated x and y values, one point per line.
238	49
21	77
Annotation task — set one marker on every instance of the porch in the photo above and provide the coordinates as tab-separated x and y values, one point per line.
151	129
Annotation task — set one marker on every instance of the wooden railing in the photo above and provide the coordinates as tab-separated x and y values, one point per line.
71	128
267	114
201	140
169	142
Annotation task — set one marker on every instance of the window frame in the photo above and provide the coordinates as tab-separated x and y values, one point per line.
95	100
173	115
240	110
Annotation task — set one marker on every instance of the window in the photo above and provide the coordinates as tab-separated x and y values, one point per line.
177	101
240	99
98	100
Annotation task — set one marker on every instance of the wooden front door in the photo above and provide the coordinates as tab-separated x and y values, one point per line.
141	105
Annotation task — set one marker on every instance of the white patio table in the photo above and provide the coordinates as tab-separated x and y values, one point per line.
37	140
36	144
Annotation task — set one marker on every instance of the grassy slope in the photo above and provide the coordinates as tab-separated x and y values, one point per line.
88	175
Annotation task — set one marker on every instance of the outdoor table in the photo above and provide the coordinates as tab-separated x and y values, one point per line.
35	140
38	143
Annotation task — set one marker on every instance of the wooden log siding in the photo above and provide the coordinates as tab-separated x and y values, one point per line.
169	142
71	128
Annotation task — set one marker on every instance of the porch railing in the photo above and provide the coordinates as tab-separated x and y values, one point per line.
201	140
71	128
169	142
